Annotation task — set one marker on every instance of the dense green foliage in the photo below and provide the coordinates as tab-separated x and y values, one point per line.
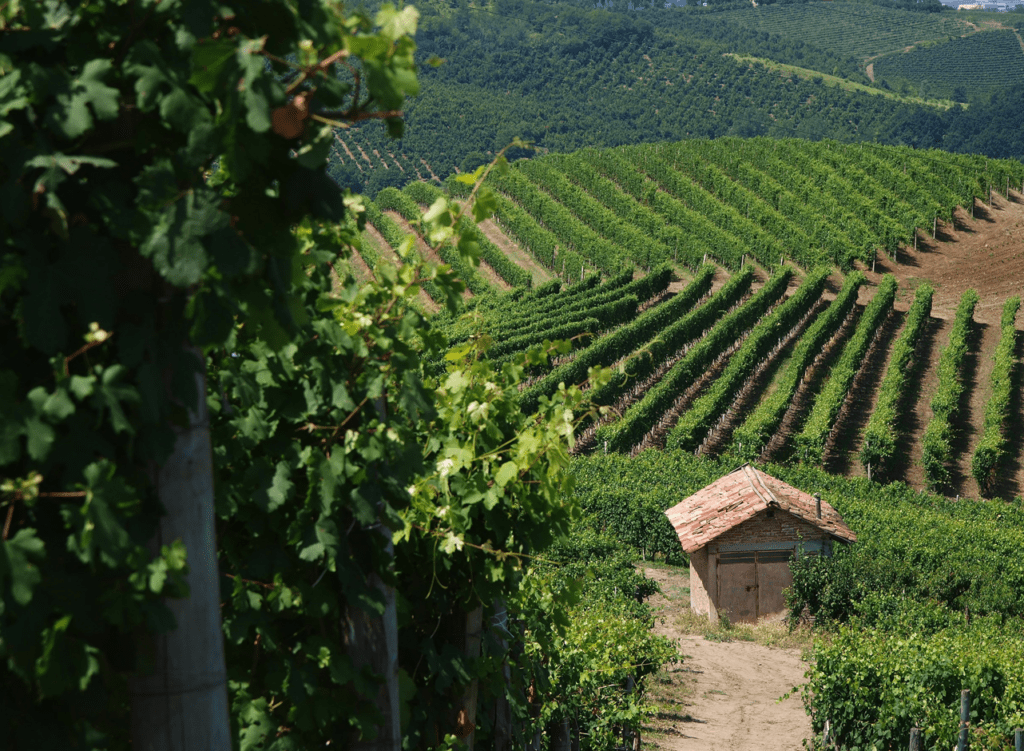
750	438
937	441
990	452
154	169
874	684
606	644
882	431
565	78
764	339
810	442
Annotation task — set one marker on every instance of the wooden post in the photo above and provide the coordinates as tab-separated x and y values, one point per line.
372	641
915	739
935	226
502	720
466	703
965	719
561	739
1018	740
181	703
629	739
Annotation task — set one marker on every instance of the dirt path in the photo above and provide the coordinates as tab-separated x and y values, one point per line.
516	254
724	695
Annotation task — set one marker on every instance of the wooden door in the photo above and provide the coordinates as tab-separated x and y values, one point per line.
737	586
773	576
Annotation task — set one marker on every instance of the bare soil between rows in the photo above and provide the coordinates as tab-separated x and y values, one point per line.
985	253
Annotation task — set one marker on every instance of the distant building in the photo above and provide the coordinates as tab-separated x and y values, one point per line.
741	532
975	6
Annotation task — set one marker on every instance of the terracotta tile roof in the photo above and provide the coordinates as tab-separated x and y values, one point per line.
739	495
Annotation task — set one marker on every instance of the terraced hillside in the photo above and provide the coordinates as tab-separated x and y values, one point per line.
780	357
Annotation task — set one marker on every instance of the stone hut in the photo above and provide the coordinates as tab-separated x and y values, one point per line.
741	532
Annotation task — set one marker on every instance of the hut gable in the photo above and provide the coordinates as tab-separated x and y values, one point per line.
740	496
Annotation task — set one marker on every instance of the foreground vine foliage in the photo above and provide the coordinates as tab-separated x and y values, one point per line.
155	158
172	248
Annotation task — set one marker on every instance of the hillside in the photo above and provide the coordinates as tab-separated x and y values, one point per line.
564	78
747	346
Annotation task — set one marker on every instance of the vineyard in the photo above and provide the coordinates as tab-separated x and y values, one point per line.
795	260
980	62
849	28
283	466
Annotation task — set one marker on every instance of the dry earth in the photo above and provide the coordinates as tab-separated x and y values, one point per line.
984	252
725	694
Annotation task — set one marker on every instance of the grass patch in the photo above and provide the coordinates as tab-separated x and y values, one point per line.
836	82
765	633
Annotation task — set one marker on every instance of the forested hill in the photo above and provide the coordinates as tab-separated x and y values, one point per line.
565	78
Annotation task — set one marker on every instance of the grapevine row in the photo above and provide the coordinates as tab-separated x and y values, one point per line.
758	428
532	313
661	353
810	442
642	250
990	453
643	416
754	239
560	221
938	435
700	161
644	288
394	237
426	193
700	234
627	208
395	200
880	434
765	336
621	342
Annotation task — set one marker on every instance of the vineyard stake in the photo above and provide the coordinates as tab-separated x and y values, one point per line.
1018	740
915	739
965	718
935	226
